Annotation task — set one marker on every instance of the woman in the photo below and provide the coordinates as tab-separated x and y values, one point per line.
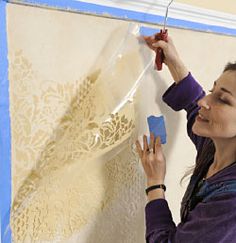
208	208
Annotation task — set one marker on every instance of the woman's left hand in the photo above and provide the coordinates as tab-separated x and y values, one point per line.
153	160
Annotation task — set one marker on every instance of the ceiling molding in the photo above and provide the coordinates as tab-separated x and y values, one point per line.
147	12
177	11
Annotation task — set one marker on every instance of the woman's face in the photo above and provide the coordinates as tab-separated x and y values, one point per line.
217	114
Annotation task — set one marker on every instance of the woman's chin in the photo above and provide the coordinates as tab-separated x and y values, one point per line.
199	132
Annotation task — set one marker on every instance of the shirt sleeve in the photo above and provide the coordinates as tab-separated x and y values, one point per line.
159	222
185	95
213	221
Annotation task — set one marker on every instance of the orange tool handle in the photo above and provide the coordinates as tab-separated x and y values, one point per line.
162	35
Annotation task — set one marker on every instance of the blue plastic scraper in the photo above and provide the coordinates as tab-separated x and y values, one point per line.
156	125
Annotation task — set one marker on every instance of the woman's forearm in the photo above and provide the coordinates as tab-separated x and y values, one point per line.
178	71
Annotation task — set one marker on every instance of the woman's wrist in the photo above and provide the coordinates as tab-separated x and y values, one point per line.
152	182
156	193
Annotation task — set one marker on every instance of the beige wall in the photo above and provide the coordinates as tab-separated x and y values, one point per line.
228	6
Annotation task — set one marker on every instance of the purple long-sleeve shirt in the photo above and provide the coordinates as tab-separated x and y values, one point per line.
213	221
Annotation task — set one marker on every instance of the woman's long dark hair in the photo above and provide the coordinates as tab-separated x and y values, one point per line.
208	149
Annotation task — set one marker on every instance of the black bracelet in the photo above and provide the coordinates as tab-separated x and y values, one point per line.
162	186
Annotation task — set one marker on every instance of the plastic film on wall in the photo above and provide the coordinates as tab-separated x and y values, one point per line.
75	172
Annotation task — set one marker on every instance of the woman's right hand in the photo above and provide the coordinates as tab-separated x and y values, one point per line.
171	59
170	52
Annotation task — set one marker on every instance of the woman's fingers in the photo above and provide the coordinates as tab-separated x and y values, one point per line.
145	144
157	143
161	44
139	149
150	40
153	163
151	146
158	152
141	153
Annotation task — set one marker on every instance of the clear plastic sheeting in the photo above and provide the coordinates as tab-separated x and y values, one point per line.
75	174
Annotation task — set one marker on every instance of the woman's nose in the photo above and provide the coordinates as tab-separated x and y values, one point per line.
204	103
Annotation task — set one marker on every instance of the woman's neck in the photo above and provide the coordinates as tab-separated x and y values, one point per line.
225	155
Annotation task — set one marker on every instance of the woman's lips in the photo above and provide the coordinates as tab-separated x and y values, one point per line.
201	118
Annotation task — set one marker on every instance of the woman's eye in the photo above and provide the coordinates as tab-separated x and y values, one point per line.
224	101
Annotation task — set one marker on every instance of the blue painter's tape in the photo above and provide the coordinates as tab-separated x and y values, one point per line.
97	9
5	137
157	127
148	31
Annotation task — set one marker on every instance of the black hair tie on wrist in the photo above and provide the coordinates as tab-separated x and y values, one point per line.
162	186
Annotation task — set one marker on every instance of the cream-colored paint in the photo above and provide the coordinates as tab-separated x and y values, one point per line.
228	6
